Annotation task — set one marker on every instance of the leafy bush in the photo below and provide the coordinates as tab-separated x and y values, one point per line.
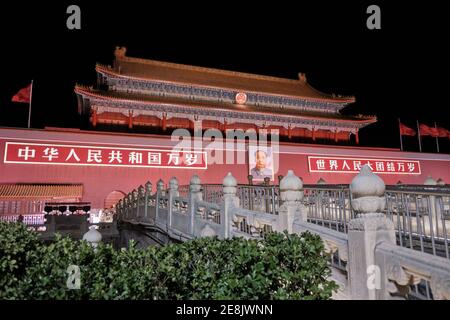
281	266
16	242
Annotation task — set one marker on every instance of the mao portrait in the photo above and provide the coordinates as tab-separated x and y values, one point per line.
260	163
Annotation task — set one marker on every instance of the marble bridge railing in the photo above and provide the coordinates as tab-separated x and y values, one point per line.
366	260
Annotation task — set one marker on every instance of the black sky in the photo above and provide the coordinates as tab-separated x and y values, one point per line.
398	71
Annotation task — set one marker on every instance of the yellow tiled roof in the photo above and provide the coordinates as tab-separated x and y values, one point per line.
40	191
174	72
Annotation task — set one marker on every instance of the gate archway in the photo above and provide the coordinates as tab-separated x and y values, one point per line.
112	198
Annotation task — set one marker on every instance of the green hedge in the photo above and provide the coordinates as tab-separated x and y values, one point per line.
281	266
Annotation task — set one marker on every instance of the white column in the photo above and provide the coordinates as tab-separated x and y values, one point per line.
148	193
195	194
173	192
366	231
230	201
159	193
291	193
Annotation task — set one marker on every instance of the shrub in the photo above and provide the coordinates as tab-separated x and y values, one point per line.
16	242
282	266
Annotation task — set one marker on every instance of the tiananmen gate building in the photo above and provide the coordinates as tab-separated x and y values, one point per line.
137	104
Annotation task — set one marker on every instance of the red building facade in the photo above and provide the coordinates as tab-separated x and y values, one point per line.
104	181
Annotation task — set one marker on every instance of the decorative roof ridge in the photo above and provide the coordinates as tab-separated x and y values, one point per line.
102	66
83	87
364	116
103	94
203	69
332	95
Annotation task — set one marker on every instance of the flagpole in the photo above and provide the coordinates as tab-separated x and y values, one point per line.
400	132
29	106
418	136
437	137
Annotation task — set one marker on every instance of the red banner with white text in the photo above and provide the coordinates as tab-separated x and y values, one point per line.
80	155
353	165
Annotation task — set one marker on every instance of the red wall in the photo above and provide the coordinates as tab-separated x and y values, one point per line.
100	181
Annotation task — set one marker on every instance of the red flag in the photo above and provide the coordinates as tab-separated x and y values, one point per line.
443	133
24	95
406	131
448	133
428	131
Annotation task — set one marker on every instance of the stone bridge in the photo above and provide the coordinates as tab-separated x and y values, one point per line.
383	243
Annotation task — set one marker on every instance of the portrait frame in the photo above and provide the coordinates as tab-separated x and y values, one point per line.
252	162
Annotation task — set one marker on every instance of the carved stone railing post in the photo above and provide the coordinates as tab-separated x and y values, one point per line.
436	216
118	209
173	192
291	194
130	206
160	187
135	206
159	193
195	194
230	201
141	198
148	193
365	232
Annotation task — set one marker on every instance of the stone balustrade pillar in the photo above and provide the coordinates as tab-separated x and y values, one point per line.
148	193
119	209
436	216
230	201
139	202
159	193
291	194
173	192
125	208
134	204
365	232
130	205
160	187
195	194
173	187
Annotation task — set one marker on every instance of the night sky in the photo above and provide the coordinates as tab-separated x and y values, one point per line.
398	71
